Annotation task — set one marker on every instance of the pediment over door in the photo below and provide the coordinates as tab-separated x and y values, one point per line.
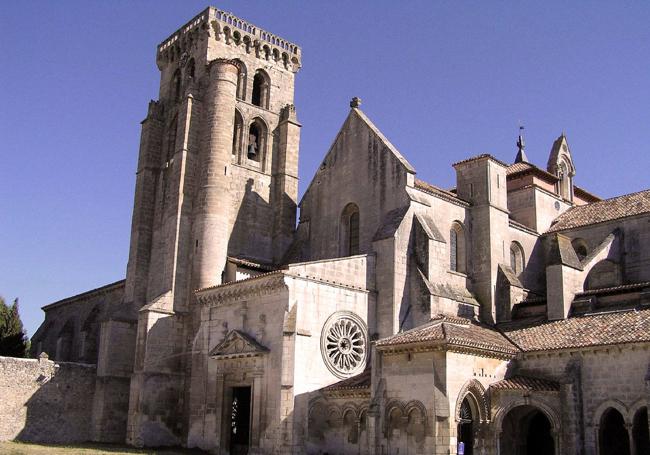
238	344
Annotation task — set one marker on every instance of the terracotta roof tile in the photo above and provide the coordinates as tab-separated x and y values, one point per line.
621	289
360	381
583	331
524	168
454	332
436	191
518	167
601	211
526	383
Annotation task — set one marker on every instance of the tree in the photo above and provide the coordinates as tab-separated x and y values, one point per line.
13	341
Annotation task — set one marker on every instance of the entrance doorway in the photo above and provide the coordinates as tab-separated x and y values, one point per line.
466	427
240	420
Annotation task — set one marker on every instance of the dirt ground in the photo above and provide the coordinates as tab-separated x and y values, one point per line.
19	448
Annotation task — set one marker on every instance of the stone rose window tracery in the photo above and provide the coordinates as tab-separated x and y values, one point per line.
344	344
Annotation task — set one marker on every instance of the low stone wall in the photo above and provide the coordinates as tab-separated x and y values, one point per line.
45	401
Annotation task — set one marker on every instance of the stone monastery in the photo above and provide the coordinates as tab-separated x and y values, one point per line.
509	315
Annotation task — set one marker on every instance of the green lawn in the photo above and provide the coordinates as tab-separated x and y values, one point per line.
20	448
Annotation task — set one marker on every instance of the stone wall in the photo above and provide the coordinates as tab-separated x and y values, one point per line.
44	401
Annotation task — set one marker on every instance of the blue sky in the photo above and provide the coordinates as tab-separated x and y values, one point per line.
443	81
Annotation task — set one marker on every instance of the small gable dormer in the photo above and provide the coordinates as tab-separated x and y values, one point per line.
560	164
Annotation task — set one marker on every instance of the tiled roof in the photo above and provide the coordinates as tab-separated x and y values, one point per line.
583	331
526	383
523	168
452	331
360	381
436	191
623	288
607	210
518	167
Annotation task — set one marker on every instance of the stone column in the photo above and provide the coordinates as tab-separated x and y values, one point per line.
256	418
213	205
218	408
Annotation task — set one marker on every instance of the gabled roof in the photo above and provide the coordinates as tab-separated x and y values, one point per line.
602	211
356	112
452	332
238	344
409	167
583	331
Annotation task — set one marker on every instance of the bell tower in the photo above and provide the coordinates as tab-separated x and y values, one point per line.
217	176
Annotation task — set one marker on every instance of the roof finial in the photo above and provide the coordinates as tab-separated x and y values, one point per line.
521	145
355	102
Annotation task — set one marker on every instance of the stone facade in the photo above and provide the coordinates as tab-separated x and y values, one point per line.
509	315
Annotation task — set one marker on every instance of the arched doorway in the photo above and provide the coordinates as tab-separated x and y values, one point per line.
526	431
613	436
466	423
640	432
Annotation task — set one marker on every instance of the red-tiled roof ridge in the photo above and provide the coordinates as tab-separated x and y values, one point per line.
527	383
452	331
360	381
602	211
435	190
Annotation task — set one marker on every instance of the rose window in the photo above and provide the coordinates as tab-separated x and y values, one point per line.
344	344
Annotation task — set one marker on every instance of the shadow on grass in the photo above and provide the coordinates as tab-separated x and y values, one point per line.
24	448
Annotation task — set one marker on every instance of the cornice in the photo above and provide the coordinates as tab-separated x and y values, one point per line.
224	294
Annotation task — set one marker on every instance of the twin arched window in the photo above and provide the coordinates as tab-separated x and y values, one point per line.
457	248
516	258
349	230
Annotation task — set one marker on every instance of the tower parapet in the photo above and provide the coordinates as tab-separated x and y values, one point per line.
233	30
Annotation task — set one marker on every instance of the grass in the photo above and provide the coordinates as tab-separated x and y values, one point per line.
23	448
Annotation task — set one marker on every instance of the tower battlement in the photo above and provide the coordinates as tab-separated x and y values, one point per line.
233	30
